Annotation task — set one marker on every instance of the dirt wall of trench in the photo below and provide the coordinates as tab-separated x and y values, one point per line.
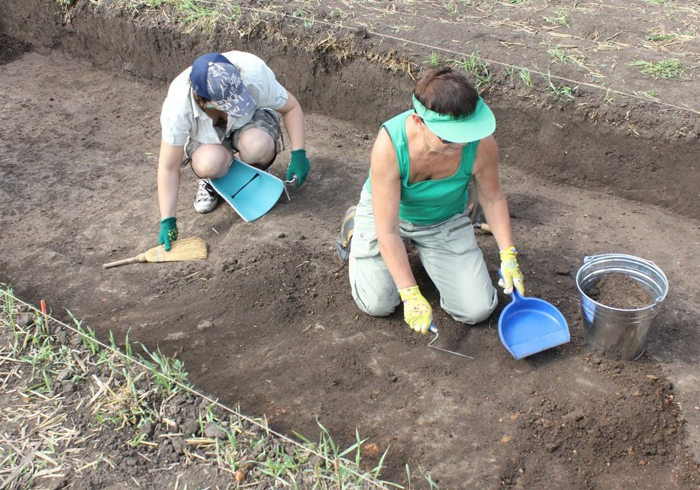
586	148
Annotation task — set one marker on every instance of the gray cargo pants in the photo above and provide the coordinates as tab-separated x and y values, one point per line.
447	250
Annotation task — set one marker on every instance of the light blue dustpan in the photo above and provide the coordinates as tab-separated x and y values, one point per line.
530	325
251	192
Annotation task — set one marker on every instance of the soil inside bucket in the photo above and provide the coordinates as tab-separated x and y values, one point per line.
619	291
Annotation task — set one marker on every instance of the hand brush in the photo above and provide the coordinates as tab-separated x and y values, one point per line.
193	248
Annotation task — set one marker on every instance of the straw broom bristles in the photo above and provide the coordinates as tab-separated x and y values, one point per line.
193	248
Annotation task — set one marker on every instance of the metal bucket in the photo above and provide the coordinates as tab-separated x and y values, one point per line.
614	332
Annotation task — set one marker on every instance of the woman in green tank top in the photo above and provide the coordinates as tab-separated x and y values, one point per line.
421	165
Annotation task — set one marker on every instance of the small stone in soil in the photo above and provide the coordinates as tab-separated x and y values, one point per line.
190	427
204	325
213	431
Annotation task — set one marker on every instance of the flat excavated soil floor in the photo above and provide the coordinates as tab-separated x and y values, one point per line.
78	159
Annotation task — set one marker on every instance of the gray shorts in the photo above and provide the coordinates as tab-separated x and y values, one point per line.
265	119
448	252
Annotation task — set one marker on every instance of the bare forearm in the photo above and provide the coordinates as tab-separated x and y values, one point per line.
498	217
168	178
294	122
168	186
393	252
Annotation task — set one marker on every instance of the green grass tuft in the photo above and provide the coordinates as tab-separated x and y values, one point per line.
477	67
526	77
560	18
664	69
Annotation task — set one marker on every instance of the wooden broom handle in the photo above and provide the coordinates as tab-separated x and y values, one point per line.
116	263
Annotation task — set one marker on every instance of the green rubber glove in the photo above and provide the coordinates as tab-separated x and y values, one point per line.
168	232
298	167
416	309
510	272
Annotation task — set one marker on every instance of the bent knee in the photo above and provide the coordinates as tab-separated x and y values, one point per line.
256	146
211	161
473	311
375	309
373	306
210	169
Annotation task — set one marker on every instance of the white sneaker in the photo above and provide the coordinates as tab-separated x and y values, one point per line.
206	198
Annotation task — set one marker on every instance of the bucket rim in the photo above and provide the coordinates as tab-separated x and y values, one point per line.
592	259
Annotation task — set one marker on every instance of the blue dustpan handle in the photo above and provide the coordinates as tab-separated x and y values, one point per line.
515	296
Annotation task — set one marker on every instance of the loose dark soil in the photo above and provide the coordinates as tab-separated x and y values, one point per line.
11	48
78	187
361	68
140	430
619	291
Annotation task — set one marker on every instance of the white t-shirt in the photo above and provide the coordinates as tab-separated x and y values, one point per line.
181	117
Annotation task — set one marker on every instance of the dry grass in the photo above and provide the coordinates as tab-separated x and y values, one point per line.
556	39
64	404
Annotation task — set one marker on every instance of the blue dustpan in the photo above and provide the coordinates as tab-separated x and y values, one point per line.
530	325
251	192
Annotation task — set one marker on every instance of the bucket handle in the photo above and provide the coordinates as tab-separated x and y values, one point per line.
588	258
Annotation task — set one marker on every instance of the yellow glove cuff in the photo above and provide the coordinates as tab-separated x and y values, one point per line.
409	293
509	253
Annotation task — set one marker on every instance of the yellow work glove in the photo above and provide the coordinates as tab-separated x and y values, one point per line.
510	272
416	309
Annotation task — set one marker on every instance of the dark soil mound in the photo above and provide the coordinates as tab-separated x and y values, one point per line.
620	291
11	48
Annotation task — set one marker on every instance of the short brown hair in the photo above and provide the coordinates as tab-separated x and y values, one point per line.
446	91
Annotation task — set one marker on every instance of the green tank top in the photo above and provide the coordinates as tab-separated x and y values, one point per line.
429	201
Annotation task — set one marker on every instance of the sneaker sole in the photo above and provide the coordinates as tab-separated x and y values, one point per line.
343	240
347	228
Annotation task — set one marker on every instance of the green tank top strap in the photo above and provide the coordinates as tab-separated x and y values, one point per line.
430	201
